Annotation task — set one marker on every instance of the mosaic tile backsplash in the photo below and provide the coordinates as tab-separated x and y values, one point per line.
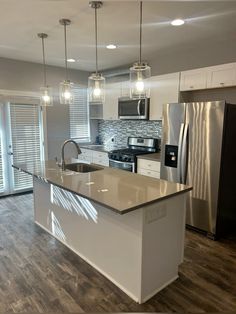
121	130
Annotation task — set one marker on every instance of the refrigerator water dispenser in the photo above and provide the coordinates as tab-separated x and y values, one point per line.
171	156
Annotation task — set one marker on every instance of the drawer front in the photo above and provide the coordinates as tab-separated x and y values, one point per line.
149	165
99	155
149	173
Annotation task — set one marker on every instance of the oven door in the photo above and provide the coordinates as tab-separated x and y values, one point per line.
128	166
133	109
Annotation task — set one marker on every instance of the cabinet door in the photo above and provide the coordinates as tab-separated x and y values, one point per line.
95	111
222	76
100	158
125	89
193	79
164	90
86	155
110	107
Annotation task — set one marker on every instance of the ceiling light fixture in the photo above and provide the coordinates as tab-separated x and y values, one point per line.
140	72
46	98
96	82
177	22
111	46
66	87
71	60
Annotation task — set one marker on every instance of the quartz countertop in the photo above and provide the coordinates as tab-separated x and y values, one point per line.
153	156
118	190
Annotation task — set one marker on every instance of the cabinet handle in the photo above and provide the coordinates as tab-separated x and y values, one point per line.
222	84
191	87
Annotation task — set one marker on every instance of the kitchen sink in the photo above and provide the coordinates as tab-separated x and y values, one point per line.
81	167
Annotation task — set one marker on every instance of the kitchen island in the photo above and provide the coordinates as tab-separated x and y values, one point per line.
129	227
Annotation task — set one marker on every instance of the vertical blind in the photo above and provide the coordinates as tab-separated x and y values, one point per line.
26	140
1	164
79	115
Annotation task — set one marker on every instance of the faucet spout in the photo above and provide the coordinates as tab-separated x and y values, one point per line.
63	163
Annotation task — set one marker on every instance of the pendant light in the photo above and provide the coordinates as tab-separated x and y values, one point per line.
66	87
140	72
96	82
46	98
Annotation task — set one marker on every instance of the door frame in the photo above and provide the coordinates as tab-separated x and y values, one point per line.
24	97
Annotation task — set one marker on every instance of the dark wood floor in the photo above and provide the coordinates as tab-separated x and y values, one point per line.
37	273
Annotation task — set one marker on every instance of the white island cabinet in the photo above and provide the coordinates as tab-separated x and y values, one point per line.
129	227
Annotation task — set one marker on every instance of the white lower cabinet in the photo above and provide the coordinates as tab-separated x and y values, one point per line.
96	157
149	168
100	158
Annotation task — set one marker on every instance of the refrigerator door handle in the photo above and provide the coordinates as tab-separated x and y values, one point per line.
184	154
179	170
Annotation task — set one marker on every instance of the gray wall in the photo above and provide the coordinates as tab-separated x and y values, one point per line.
181	59
27	76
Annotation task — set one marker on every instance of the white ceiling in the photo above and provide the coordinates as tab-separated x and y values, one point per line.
118	22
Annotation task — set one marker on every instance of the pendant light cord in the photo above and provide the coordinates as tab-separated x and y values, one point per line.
44	64
66	67
140	32
96	39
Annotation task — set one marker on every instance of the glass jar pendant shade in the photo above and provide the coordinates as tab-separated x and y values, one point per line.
46	96
96	88
139	80
66	87
96	82
140	72
66	93
46	92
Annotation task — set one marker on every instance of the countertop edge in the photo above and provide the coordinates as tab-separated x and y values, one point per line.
125	211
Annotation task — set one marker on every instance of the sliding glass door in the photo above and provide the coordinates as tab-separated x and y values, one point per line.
22	142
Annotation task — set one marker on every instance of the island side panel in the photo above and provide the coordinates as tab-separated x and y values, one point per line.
110	242
163	244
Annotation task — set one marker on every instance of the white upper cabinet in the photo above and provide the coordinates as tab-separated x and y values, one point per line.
164	90
125	89
110	107
210	77
222	75
193	79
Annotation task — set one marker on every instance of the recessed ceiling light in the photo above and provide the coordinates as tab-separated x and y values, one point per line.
70	60
177	22
111	46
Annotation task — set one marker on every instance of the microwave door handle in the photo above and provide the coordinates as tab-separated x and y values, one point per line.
138	107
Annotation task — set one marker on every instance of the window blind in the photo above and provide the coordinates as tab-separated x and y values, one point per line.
1	164
79	115
26	140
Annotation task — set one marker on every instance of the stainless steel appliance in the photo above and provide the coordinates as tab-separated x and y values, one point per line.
137	109
126	159
198	149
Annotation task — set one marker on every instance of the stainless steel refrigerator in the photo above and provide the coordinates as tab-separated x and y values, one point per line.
196	143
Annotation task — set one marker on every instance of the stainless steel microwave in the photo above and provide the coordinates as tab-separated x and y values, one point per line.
136	109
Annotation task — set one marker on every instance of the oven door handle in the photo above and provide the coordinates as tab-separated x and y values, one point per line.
122	162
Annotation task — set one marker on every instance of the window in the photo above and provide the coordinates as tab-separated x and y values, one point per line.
79	115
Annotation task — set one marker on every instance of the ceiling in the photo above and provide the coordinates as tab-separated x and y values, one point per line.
118	22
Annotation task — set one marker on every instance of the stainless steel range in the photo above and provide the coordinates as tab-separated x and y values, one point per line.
126	159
